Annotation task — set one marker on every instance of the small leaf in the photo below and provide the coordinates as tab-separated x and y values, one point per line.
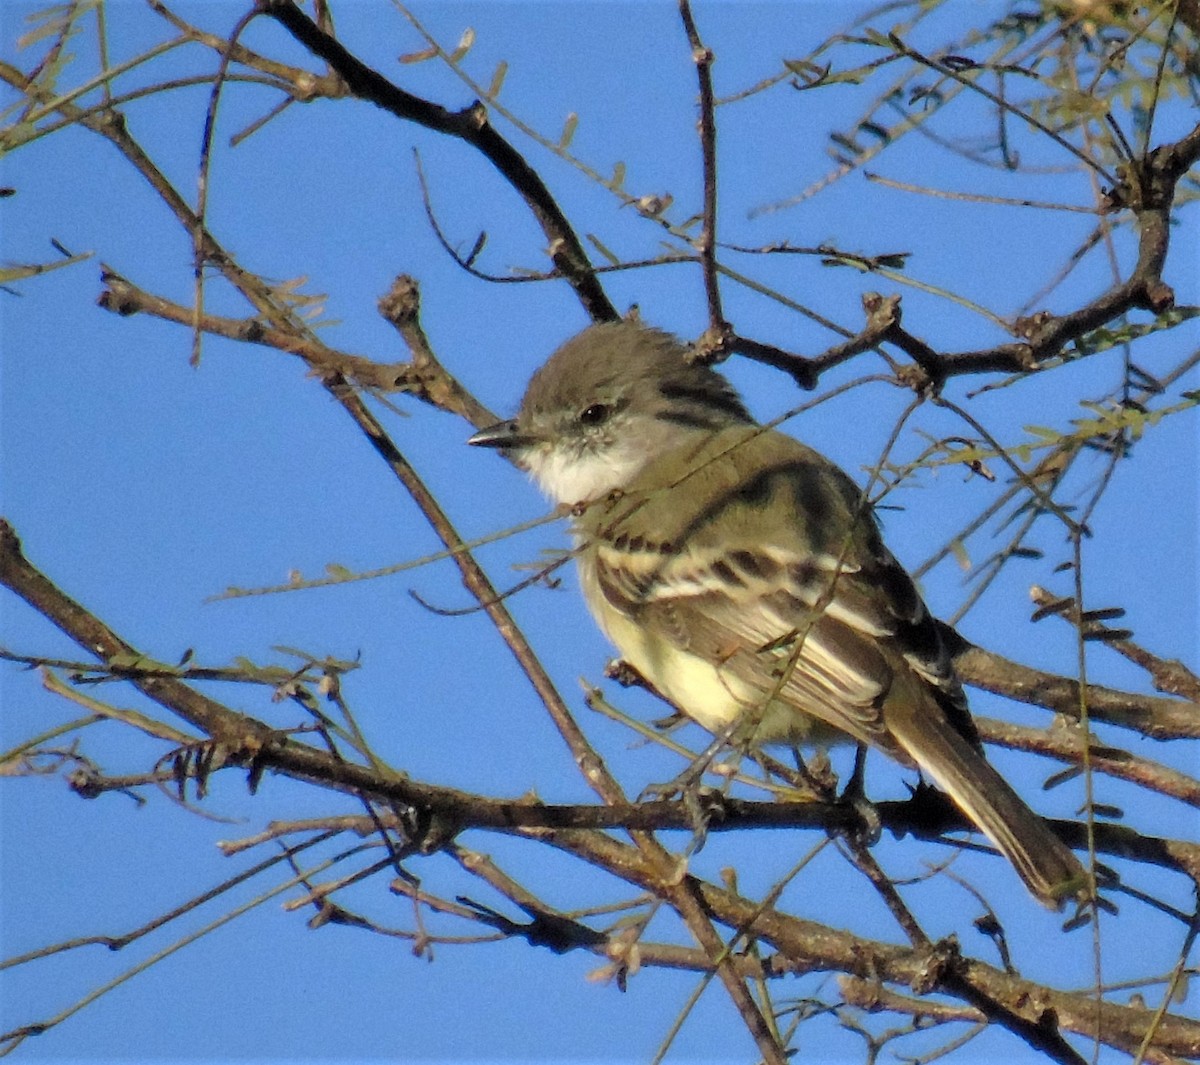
959	550
1181	989
1108	613
1026	552
879	132
568	131
1109	635
1103	809
54	20
845	142
618	177
126	660
497	80
291	285
419	57
465	42
805	66
856	76
1042	432
599	246
1081	919
1055	606
476	248
1062	776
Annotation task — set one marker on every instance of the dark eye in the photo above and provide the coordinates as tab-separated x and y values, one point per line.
596	414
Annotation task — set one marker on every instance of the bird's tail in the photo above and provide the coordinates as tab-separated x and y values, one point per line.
1046	865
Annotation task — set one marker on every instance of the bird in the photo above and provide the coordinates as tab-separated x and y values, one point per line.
744	576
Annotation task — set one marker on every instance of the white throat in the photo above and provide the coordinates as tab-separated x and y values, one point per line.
571	476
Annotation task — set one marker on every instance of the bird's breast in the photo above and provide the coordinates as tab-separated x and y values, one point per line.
702	689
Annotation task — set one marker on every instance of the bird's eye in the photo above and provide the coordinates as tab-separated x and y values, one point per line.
596	414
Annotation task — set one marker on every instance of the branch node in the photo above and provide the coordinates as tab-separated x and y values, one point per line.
116	296
401	304
714	345
476	115
1159	296
883	313
1029	327
943	957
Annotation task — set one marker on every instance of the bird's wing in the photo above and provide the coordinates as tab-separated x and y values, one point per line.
774	571
779	576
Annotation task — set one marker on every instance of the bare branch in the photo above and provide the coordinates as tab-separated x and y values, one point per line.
471	126
706	243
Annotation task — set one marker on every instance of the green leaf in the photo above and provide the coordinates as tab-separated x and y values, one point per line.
804	67
1104	338
854	76
1043	432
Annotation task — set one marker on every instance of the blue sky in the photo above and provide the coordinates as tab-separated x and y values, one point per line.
144	486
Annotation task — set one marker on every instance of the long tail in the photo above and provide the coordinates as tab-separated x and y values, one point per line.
1046	865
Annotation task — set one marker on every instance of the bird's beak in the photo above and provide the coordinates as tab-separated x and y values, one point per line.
502	435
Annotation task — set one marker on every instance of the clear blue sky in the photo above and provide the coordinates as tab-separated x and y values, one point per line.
143	486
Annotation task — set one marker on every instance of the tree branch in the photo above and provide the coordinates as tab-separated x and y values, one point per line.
1151	715
17	574
470	126
706	244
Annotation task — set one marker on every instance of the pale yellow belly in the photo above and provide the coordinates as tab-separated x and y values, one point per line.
708	694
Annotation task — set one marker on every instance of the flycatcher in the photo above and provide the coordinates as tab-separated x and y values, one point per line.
743	576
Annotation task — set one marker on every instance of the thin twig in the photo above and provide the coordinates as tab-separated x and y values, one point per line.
706	243
472	127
